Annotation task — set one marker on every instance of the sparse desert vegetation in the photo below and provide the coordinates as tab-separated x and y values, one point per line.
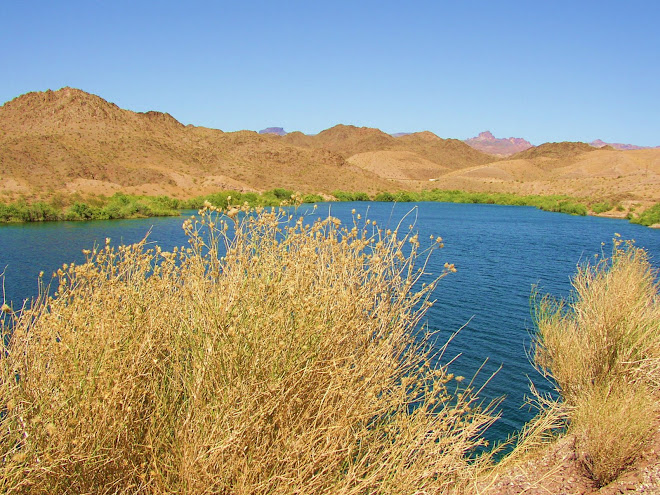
71	141
239	364
602	348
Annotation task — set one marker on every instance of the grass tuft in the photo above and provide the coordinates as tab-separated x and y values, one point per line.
602	349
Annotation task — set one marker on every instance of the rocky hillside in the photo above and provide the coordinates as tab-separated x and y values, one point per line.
69	140
72	140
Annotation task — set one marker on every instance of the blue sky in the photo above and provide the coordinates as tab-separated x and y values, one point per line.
545	71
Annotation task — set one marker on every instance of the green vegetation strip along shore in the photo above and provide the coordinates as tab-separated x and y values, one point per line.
94	207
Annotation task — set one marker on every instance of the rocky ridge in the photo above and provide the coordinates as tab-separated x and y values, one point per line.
488	143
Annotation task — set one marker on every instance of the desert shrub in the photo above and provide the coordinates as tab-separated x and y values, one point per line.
350	196
79	211
611	425
42	212
602	207
312	198
385	196
275	197
251	198
274	356
219	199
570	207
405	197
15	212
5	213
193	203
342	195
282	194
159	206
361	196
648	217
165	202
602	348
567	206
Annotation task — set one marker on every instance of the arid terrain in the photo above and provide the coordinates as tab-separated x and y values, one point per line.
69	140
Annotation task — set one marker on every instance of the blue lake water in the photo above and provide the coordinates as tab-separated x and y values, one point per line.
500	252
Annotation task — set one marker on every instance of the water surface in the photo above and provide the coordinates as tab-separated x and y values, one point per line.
500	252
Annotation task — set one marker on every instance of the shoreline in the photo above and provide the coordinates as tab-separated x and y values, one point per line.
124	206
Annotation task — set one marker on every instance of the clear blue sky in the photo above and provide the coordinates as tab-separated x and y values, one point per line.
545	71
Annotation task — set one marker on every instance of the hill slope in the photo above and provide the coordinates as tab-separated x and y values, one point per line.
70	140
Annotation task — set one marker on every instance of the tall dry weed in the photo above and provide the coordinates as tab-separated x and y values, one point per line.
269	356
602	349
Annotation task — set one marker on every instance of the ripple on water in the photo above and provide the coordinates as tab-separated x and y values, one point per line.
501	253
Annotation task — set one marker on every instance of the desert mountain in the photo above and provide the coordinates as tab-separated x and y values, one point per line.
564	150
70	140
345	140
574	169
599	143
349	141
488	143
273	130
75	141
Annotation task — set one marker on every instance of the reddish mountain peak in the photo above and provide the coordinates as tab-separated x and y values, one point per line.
485	136
488	143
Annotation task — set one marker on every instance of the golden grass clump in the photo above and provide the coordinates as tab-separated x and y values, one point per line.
603	351
270	356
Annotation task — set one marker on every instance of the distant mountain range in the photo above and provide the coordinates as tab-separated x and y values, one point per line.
273	130
488	143
619	146
72	141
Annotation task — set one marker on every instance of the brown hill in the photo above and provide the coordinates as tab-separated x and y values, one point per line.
450	153
72	140
563	150
345	140
398	165
69	140
348	140
627	176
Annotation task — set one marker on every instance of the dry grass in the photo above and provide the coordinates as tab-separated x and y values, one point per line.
603	350
285	365
611	426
